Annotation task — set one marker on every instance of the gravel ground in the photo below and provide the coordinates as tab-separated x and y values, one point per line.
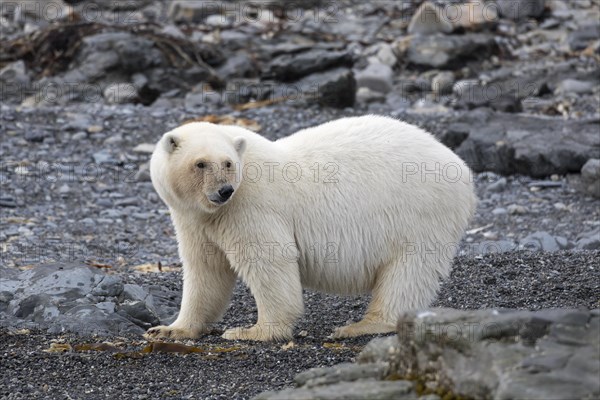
561	279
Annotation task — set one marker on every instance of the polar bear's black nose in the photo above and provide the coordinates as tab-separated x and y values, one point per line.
225	192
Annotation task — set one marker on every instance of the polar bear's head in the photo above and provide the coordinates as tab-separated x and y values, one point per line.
195	166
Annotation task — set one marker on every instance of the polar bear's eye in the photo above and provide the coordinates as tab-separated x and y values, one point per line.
228	164
200	164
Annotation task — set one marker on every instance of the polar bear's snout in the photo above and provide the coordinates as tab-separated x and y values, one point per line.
222	195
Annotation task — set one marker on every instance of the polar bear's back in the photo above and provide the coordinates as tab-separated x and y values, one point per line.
382	185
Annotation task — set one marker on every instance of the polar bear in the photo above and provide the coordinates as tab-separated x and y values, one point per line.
361	204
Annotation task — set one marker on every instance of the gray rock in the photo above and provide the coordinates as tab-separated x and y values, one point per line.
493	247
341	373
455	135
590	177
498	186
192	11
516	209
239	65
528	145
440	51
499	354
109	285
575	86
81	299
359	390
581	38
521	9
334	88
120	93
14	81
543	241
366	95
499	211
473	15
102	157
429	19
143	173
290	67
589	240
376	76
443	83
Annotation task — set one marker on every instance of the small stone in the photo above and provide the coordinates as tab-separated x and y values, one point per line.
499	211
143	173
64	189
429	19
95	129
102	156
473	15
520	9
191	11
366	95
575	86
560	206
515	209
443	83
146	148
79	136
386	55
498	186
120	93
376	77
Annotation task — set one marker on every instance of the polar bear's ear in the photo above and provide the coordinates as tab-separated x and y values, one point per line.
170	143
239	143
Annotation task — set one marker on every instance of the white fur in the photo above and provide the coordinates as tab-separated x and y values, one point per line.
380	207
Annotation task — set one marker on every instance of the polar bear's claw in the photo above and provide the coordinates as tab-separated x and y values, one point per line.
169	332
257	333
362	328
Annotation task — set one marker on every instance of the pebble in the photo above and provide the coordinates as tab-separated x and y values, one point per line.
498	186
95	129
515	209
429	19
499	211
560	206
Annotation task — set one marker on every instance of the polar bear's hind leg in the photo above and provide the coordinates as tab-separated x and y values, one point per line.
409	283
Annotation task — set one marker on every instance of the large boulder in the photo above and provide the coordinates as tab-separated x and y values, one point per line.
486	354
529	145
81	299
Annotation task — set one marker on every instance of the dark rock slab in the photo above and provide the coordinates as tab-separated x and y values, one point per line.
448	51
528	145
485	354
290	67
81	299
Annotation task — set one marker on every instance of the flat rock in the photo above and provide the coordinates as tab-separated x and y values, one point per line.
80	299
441	51
518	9
376	76
359	390
334	88
499	354
429	19
290	67
528	145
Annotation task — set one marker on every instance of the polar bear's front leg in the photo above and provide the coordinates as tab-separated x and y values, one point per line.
207	289
277	289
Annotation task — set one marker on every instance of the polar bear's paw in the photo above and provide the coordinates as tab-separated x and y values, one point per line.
170	332
362	328
258	333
